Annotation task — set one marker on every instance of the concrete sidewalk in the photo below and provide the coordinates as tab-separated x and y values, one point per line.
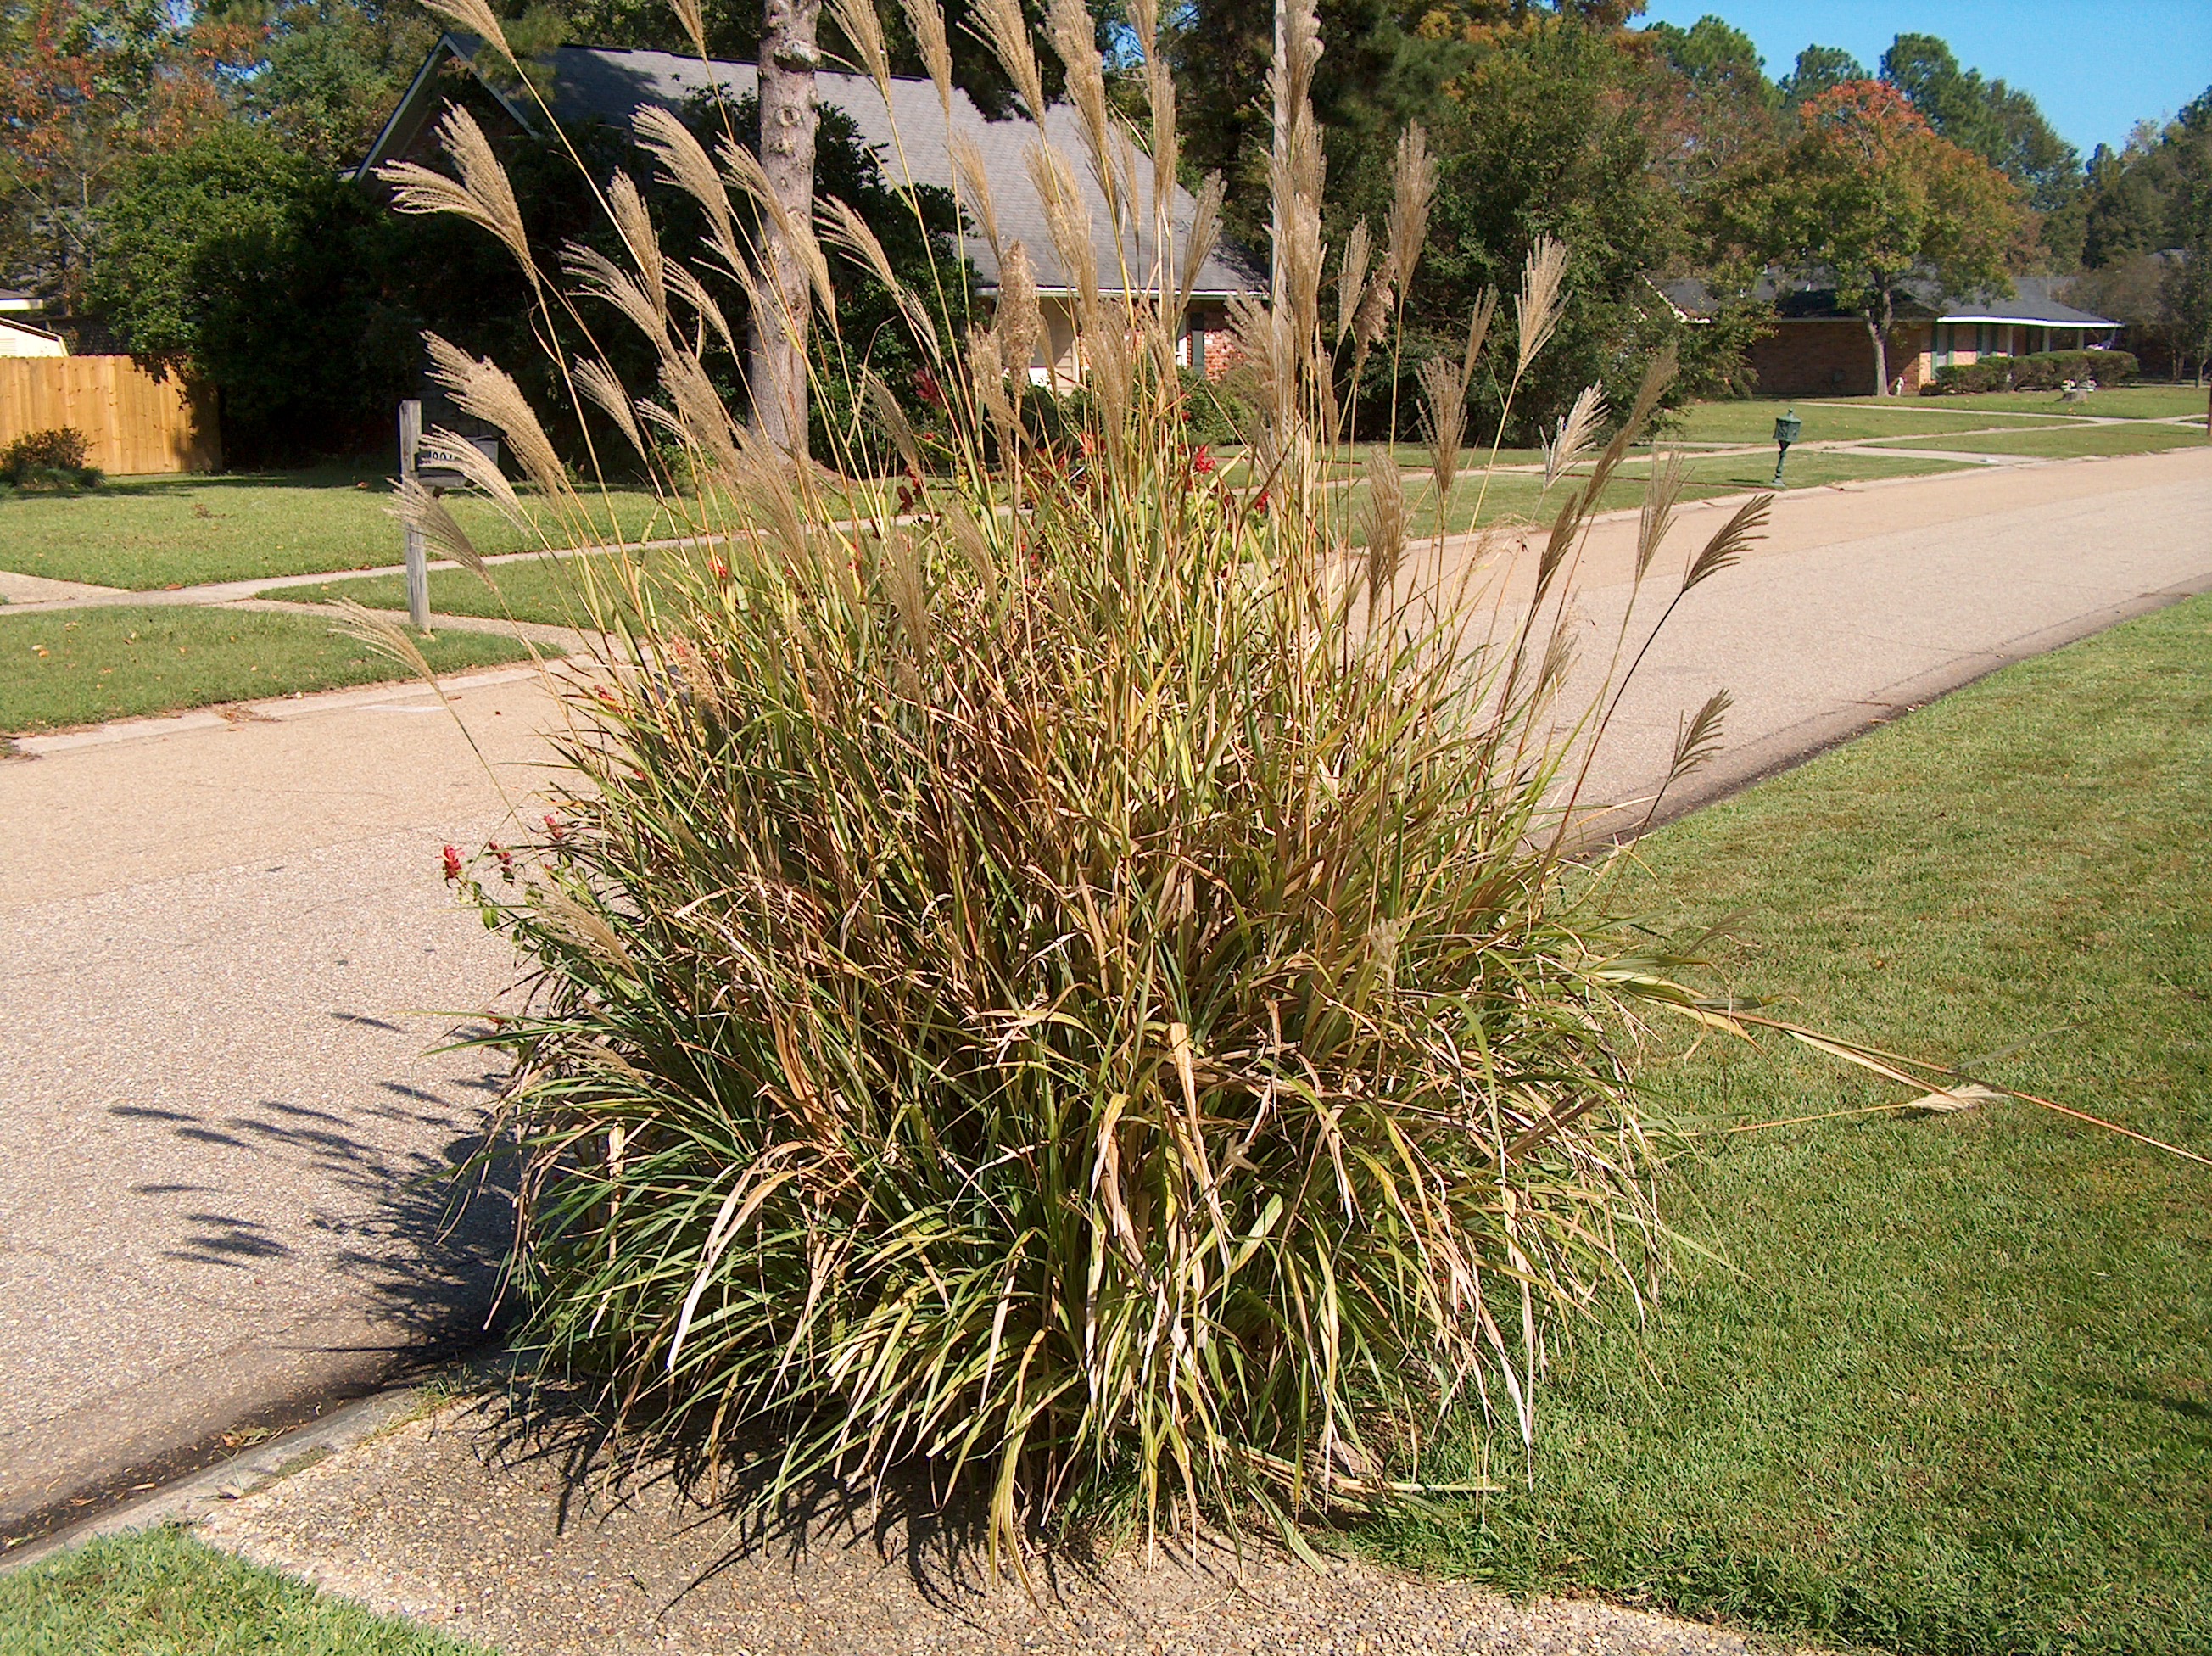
231	944
231	952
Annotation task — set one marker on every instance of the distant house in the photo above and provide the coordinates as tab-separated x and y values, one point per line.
19	336
1816	348
589	84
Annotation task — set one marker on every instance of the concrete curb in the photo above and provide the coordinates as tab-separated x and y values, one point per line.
186	1499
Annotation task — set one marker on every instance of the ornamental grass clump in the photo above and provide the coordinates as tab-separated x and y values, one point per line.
1051	966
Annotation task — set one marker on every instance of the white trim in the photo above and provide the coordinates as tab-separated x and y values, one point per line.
2095	325
448	45
48	344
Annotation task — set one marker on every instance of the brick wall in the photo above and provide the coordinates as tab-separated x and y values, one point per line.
1833	357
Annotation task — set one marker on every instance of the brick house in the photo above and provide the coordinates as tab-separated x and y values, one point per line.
1816	349
588	84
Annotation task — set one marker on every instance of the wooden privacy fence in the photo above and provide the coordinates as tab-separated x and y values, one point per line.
132	421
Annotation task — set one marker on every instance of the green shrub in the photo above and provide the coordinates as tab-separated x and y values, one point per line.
1075	985
2044	371
48	459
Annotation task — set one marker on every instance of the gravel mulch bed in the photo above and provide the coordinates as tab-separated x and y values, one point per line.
521	1539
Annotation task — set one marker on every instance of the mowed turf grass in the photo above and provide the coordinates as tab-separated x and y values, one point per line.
2136	437
1830	421
2115	401
159	1592
1940	1384
63	667
148	533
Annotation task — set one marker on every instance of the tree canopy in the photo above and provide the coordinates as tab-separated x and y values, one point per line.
1874	198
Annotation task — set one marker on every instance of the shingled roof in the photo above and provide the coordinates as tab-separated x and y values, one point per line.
590	83
1812	296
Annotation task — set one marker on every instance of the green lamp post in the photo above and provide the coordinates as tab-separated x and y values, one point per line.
1786	428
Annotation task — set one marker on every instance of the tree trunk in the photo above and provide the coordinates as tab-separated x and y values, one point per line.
776	371
1878	331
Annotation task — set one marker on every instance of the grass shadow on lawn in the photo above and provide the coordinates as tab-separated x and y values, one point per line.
1948	1386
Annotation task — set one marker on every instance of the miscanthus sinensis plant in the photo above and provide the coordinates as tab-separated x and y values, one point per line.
1049	965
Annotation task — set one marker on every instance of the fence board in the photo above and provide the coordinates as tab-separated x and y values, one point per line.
132	422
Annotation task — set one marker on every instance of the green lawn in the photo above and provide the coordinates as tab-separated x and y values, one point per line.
63	667
159	1592
541	589
2120	402
2070	440
146	533
1948	1386
1825	421
1521	497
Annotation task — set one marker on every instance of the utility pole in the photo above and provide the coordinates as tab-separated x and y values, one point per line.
418	566
776	371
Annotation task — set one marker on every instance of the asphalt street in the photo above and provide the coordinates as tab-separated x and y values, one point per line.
231	955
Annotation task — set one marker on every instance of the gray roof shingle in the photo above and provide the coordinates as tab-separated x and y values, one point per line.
2033	300
591	83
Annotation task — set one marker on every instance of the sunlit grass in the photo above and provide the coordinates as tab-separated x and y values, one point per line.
1944	1385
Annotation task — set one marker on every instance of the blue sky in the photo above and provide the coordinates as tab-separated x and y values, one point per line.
2096	66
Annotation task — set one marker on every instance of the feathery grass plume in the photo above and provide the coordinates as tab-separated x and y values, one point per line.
1386	519
895	420
1729	541
596	276
479	387
1570	440
1412	195
415	504
1202	238
1351	280
864	28
1698	738
1656	518
704	306
1006	32
1020	320
974	176
441	447
477	18
1068	218
986	372
1478	331
693	17
1658	375
1537	309
927	23
1072	33
741	167
627	209
850	233
484	194
376	630
683	162
1166	143
1443	396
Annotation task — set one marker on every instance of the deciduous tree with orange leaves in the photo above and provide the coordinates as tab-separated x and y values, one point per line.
1873	197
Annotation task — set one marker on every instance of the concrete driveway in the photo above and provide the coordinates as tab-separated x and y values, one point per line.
230	951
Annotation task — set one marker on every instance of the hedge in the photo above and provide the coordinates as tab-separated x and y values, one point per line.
2045	370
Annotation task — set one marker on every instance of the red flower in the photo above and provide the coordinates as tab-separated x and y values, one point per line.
1259	501
506	857
554	829
452	863
927	388
721	569
1202	462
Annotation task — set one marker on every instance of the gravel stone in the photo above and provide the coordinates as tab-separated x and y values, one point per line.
526	1541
